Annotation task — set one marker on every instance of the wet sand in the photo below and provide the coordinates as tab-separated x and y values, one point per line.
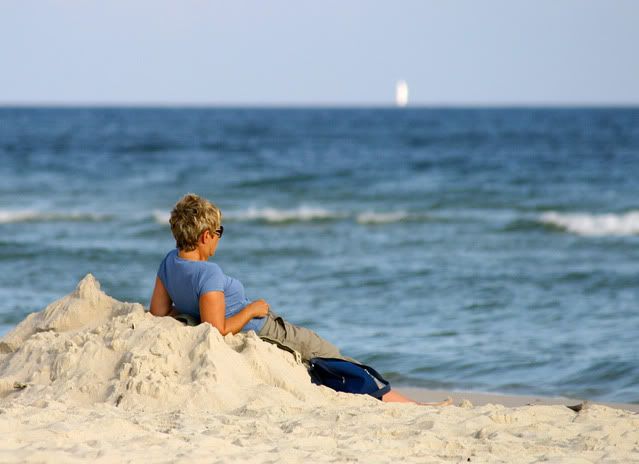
510	401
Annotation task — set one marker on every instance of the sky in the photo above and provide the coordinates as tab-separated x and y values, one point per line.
331	52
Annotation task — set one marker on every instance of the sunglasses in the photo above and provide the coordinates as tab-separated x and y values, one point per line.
219	232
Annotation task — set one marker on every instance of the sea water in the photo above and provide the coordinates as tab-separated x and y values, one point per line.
482	249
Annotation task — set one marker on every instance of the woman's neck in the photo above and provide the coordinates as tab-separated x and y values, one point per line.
193	255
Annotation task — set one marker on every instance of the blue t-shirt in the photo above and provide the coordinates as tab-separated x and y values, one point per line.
187	280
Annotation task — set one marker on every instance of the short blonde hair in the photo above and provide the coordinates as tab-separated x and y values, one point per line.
190	217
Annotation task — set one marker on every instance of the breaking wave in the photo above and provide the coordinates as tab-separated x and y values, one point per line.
384	218
304	214
161	217
269	215
27	215
275	215
594	225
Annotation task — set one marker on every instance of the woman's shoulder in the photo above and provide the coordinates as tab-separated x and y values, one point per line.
212	267
166	261
172	254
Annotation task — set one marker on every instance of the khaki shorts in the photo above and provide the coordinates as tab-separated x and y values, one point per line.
306	342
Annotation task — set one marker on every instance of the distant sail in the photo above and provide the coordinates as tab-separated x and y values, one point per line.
401	93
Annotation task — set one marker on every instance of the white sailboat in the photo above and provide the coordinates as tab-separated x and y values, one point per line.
401	93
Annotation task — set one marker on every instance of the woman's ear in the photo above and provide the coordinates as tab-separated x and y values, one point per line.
206	234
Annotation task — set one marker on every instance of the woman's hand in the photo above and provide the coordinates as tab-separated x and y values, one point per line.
259	308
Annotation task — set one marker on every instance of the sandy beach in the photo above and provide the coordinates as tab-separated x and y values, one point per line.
90	378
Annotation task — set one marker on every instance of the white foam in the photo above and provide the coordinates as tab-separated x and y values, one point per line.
16	216
302	213
595	225
275	215
382	218
29	215
161	217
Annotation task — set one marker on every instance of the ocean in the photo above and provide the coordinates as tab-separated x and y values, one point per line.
488	249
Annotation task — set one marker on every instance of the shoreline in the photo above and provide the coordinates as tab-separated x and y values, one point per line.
509	401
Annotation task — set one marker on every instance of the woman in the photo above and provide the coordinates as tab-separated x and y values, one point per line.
187	284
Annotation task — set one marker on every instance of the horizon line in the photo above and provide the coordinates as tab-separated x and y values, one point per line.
313	105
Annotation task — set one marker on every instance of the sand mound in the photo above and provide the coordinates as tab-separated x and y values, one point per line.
89	348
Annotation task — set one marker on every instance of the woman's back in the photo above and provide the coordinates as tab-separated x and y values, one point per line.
187	280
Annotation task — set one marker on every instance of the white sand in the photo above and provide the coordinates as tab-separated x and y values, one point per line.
90	378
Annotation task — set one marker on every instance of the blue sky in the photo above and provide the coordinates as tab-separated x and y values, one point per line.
281	52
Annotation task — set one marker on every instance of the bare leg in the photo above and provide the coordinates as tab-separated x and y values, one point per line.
395	397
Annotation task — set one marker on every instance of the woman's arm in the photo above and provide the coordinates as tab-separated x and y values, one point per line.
212	310
160	300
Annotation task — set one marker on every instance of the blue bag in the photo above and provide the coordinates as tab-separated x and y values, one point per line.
349	377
